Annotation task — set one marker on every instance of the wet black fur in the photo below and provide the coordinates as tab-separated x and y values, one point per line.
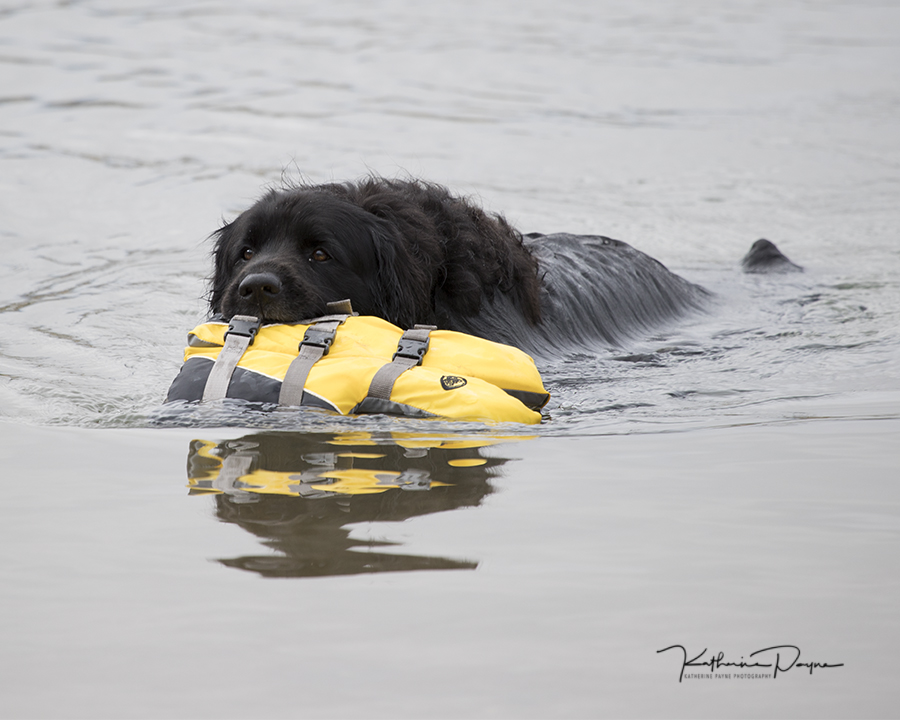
764	257
411	252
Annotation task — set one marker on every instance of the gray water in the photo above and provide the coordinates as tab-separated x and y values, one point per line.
729	483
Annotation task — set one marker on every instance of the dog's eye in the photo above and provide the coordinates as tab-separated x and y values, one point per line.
247	253
319	255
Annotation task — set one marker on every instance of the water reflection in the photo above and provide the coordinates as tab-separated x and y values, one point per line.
301	494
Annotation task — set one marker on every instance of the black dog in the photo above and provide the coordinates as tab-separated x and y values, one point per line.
411	252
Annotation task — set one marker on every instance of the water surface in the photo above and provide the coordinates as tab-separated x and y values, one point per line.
727	482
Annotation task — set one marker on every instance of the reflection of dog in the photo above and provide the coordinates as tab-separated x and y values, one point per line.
302	493
411	252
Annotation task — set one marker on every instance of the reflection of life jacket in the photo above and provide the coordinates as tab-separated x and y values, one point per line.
318	466
356	365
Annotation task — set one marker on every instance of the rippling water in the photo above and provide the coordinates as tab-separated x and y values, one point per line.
130	131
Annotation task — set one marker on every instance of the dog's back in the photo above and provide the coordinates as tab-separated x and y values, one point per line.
593	290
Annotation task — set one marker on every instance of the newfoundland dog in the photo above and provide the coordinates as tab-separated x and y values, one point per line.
411	252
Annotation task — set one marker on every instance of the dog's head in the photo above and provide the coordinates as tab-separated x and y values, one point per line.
296	250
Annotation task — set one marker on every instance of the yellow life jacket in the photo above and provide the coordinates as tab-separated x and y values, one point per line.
452	375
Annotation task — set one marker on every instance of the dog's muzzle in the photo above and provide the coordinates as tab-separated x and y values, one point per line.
260	288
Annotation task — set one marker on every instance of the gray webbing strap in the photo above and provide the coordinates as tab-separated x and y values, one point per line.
316	342
344	307
240	334
410	351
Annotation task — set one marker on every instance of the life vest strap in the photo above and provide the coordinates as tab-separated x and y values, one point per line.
240	335
315	344
344	307
410	351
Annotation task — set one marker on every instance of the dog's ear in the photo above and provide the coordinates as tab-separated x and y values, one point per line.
222	240
400	284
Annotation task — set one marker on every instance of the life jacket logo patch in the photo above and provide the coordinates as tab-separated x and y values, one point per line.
451	382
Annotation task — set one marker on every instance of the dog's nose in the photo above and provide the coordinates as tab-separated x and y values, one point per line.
260	287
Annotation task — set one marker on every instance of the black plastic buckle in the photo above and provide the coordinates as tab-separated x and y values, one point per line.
411	349
317	337
245	325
